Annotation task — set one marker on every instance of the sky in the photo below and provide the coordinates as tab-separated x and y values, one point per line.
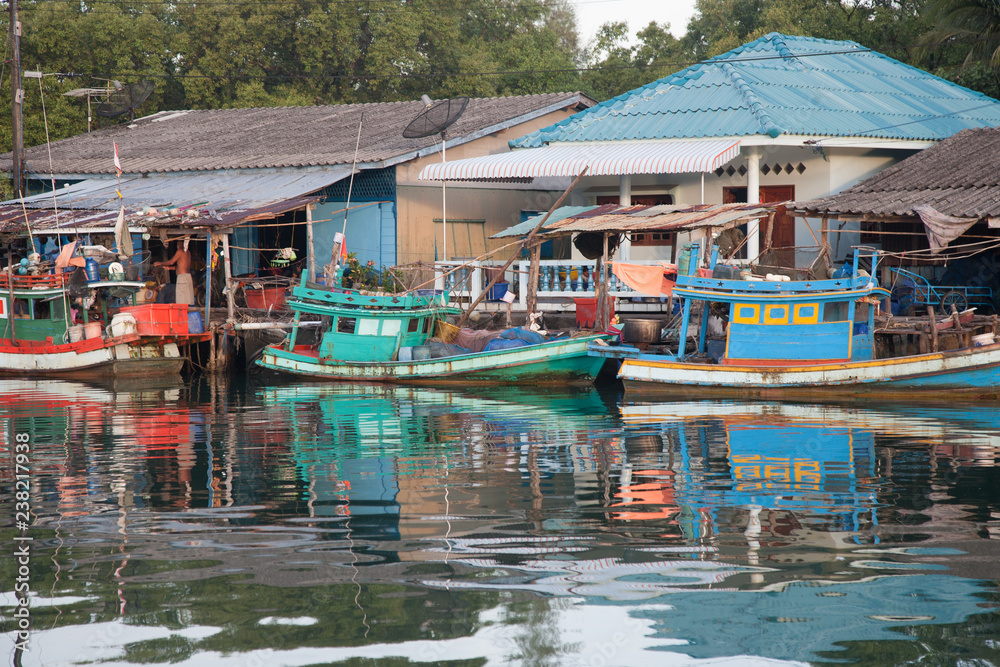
591	14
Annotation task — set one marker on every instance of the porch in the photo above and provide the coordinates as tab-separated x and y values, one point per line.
561	283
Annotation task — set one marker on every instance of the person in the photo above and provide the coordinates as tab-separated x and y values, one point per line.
181	264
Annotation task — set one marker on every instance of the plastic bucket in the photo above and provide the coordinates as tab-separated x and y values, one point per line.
122	324
195	324
92	330
92	269
76	333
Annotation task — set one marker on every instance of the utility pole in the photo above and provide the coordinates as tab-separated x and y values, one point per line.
17	131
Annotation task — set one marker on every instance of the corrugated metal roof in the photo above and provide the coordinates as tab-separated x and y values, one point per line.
678	157
523	228
218	192
783	84
221	199
644	218
957	176
279	137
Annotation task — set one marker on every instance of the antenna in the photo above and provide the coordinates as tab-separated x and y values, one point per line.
434	119
125	99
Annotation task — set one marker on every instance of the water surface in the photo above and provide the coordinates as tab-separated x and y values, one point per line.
313	524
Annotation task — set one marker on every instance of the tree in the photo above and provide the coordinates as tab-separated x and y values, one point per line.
619	66
975	24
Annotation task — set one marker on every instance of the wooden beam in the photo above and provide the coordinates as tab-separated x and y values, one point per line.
526	242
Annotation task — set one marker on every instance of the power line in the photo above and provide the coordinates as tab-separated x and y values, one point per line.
433	75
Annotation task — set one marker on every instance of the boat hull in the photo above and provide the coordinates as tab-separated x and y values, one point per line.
553	363
973	371
126	356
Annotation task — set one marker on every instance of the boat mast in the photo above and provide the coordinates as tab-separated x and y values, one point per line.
17	131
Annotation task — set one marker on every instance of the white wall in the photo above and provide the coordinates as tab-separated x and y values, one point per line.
824	172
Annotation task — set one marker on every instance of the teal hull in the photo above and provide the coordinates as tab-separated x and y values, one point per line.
557	362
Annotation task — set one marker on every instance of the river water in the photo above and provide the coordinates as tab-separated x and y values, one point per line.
306	524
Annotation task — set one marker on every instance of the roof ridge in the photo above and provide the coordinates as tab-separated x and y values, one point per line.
767	124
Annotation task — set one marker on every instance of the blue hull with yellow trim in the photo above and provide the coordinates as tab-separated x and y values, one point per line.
797	337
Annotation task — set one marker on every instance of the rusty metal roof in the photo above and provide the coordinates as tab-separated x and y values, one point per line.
12	218
670	218
221	200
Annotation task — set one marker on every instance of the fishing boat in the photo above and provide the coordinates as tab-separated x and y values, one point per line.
793	338
392	338
41	337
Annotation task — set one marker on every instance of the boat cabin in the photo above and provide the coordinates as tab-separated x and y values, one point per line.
34	310
772	322
368	327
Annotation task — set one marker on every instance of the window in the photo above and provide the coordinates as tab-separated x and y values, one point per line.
835	311
653	238
412	326
346	324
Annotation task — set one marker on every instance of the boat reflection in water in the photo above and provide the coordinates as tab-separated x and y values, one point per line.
714	524
307	524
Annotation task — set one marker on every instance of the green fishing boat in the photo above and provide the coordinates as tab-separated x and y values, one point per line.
376	337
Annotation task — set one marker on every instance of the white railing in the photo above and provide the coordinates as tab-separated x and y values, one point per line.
558	279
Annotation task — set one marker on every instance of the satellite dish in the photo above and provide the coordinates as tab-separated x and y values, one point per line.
125	99
435	117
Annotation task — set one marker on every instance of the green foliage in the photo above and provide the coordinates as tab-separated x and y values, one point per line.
241	54
364	276
975	24
302	52
625	65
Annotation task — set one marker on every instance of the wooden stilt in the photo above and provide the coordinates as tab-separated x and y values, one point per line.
211	352
934	332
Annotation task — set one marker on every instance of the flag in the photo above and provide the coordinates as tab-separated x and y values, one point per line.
118	164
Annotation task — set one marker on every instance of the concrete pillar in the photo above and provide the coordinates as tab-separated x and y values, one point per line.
753	197
625	199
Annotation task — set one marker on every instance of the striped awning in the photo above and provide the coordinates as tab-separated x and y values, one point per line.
616	159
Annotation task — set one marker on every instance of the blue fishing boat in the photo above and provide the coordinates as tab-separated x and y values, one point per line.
794	338
376	337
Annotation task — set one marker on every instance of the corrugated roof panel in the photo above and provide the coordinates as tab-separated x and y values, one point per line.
219	192
525	227
892	99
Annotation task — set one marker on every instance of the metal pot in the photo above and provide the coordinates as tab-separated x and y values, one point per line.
641	331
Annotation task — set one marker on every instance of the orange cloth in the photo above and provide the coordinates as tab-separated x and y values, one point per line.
648	280
65	259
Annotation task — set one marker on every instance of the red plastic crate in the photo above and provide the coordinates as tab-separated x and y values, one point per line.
160	319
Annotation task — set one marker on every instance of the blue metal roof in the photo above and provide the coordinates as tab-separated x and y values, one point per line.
782	84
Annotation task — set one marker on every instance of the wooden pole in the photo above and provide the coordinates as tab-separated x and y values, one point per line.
770	231
17	102
934	333
603	318
527	241
532	286
208	280
10	287
310	245
228	270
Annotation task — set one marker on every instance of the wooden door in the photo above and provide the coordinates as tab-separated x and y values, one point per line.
783	235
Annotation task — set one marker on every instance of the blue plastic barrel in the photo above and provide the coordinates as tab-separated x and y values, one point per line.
92	269
195	325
